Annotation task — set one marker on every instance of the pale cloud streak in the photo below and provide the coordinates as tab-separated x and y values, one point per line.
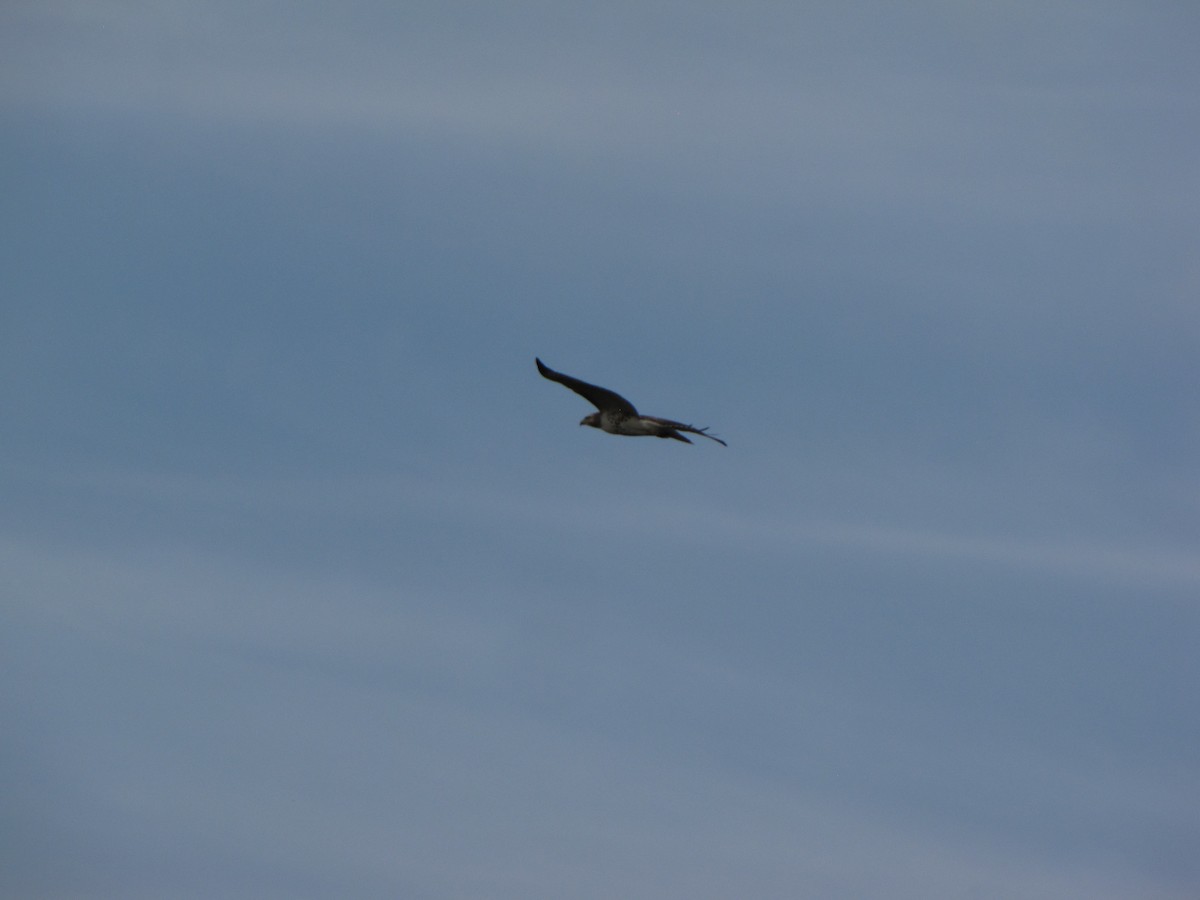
890	135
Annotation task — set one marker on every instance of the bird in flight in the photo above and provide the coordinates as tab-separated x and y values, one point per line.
616	414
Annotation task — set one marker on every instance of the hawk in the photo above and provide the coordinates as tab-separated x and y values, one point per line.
616	414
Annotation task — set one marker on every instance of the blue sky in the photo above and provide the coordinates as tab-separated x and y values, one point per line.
313	588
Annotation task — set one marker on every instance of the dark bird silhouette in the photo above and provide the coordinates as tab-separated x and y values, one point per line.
616	414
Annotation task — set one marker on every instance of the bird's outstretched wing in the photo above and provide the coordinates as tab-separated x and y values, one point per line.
690	429
602	398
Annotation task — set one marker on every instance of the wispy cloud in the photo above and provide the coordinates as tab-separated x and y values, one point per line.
889	135
409	766
718	524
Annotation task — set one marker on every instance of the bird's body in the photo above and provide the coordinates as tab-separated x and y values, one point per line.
616	415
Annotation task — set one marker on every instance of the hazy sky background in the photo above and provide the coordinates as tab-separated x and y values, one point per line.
313	588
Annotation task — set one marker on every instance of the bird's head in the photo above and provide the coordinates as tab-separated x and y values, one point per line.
592	420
